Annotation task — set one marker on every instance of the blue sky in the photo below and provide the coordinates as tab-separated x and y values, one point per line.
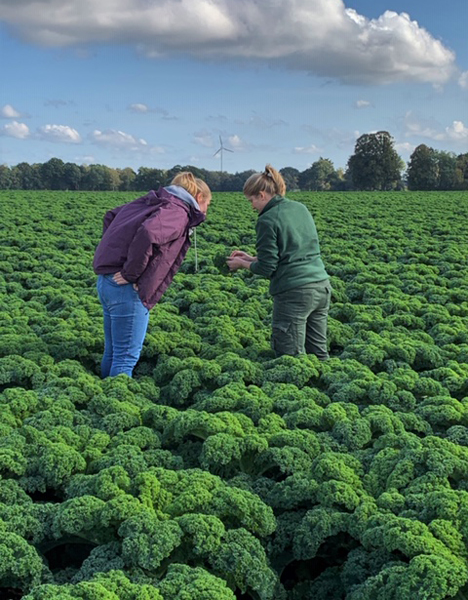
156	82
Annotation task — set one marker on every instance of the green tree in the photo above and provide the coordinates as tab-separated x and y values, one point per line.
291	177
71	176
52	174
112	179
213	180
462	171
423	169
375	164
26	176
127	177
318	176
94	178
447	164
6	178
148	179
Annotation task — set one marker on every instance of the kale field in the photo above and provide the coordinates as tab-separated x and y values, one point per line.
220	472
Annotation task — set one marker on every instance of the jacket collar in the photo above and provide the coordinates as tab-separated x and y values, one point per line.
273	202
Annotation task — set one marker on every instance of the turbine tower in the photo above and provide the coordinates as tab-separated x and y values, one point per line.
220	151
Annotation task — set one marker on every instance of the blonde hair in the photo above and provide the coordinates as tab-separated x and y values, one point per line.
270	181
192	184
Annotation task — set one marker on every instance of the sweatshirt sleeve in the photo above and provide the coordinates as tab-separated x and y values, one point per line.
267	250
163	228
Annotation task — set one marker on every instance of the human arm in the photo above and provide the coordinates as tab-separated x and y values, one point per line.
266	261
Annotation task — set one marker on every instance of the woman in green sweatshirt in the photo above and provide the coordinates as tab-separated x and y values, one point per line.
288	253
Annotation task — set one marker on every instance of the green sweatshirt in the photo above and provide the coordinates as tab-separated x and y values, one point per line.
288	251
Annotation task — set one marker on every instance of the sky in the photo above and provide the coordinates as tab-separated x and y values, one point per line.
158	83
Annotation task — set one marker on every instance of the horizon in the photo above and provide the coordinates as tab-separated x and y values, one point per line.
149	86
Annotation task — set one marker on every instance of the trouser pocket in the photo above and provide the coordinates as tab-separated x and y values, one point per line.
287	338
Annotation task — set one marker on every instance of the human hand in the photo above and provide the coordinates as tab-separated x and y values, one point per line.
118	278
235	262
241	254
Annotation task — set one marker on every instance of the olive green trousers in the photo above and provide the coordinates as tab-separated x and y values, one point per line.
300	320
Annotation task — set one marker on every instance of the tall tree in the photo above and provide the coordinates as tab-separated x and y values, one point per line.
52	174
6	178
318	177
96	178
462	171
148	179
447	166
71	176
26	177
375	164
127	177
423	169
291	177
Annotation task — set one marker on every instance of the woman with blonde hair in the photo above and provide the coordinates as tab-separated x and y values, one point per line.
288	253
143	245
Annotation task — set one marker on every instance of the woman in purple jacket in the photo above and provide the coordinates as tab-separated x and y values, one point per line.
143	245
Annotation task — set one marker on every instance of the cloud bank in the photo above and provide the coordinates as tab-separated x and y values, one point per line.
322	37
457	132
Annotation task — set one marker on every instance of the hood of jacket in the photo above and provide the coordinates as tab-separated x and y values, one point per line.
174	194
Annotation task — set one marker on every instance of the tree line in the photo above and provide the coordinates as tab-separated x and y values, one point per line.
375	165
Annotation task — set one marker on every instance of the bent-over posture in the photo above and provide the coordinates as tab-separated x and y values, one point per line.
288	253
143	245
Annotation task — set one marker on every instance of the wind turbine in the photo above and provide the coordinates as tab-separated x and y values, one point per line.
220	151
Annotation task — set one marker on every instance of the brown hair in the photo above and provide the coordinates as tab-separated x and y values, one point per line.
192	184
270	181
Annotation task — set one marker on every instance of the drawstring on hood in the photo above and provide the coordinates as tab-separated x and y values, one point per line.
195	249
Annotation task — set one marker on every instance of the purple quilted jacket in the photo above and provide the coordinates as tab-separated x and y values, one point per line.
147	240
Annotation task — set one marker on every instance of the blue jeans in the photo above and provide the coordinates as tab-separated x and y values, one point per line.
125	325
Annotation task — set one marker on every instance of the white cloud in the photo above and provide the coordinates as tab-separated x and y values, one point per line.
203	138
119	140
138	108
312	149
362	104
59	133
463	80
8	112
234	142
405	147
16	130
318	36
456	132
